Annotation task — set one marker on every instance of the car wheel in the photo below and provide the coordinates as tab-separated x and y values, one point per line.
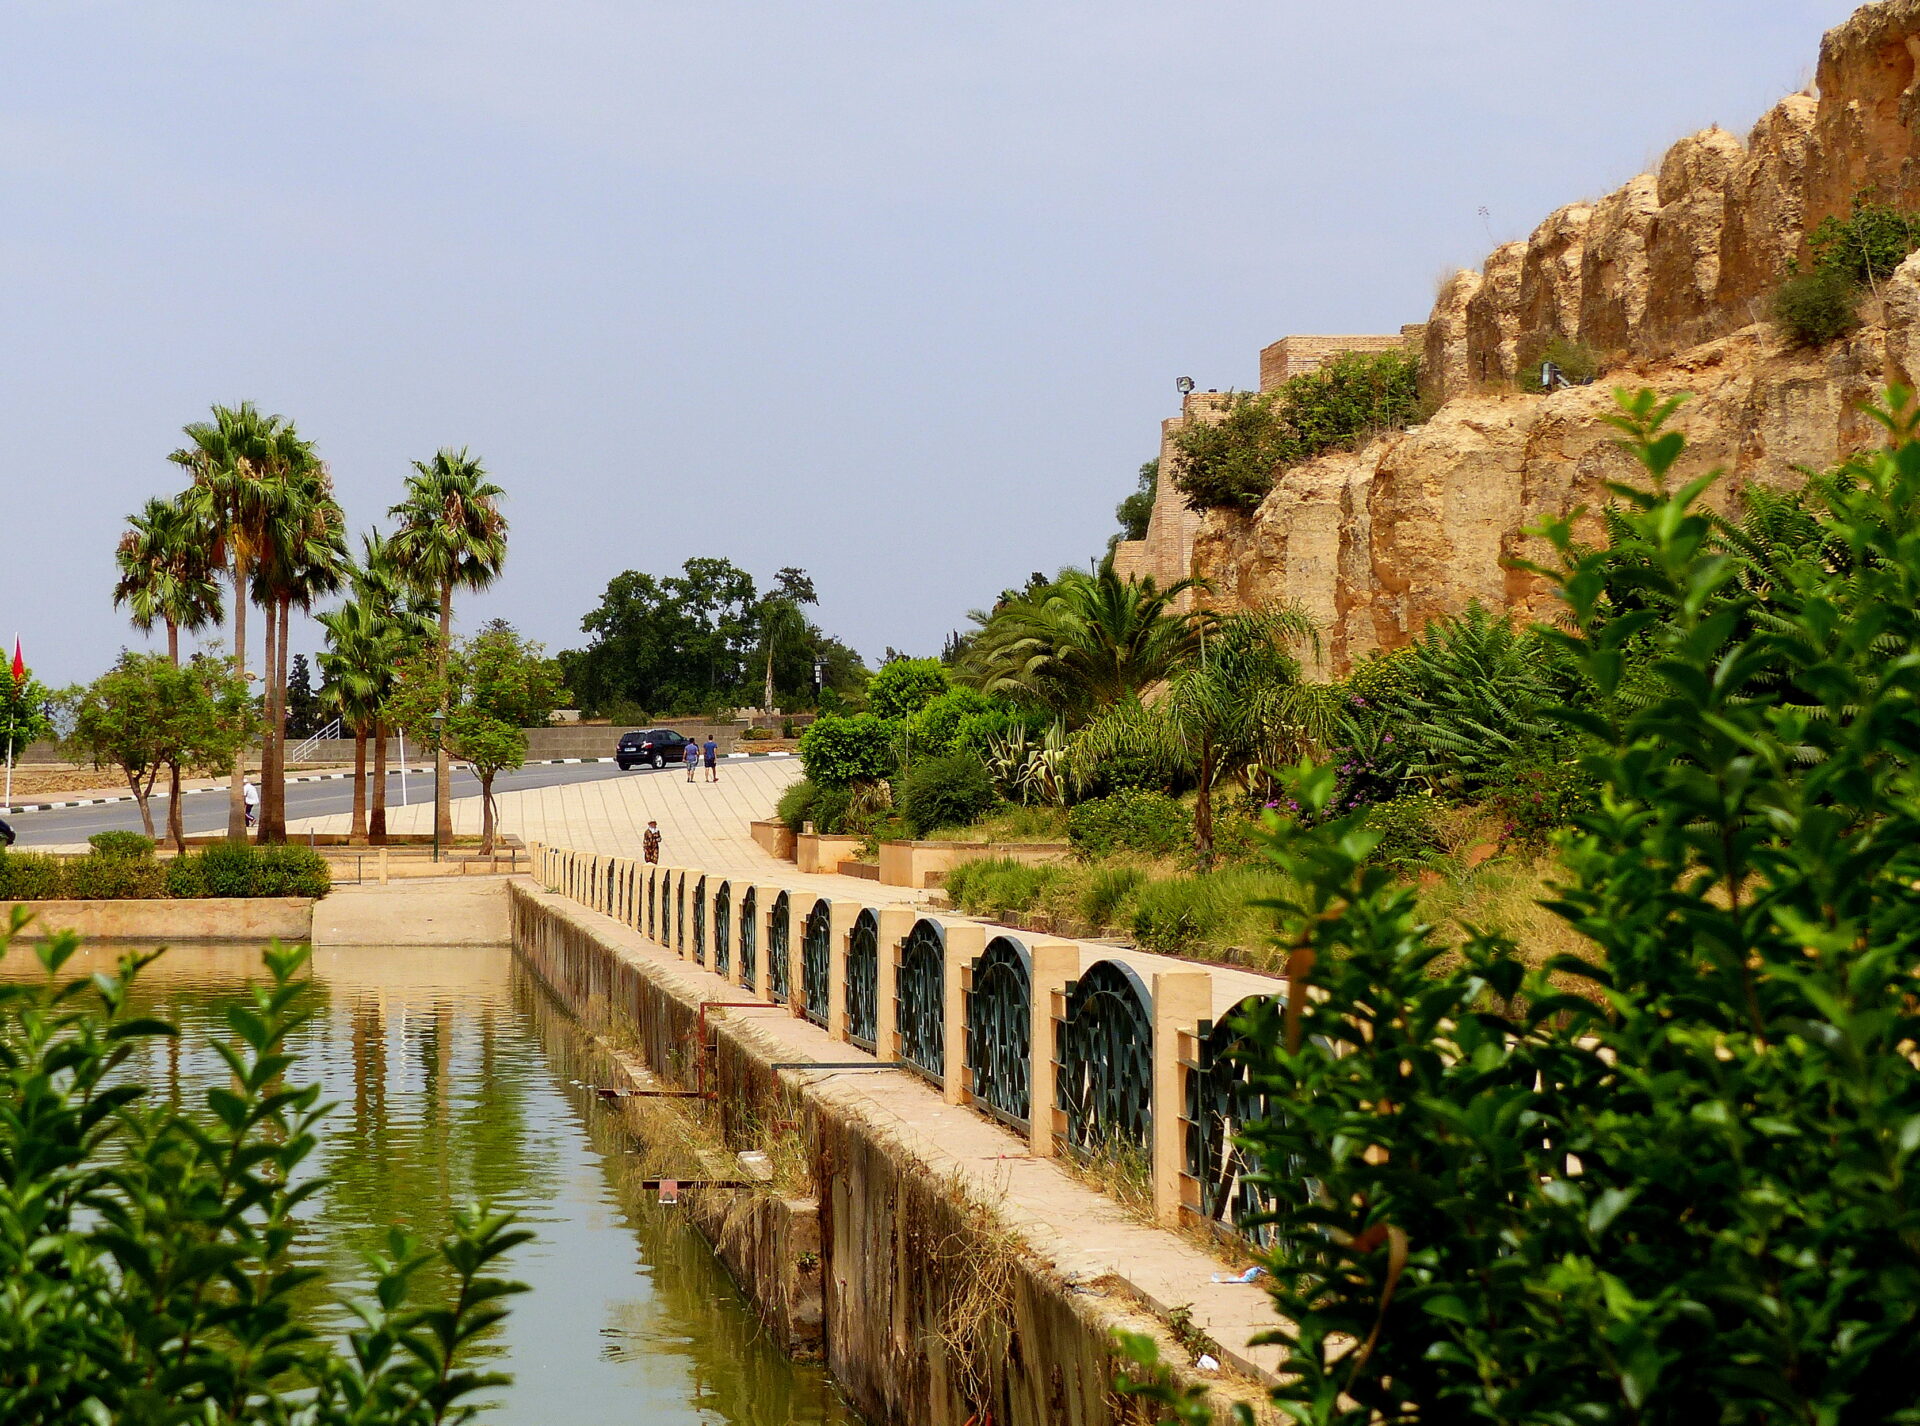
659	761
624	764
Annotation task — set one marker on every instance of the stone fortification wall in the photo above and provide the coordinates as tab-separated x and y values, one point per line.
1668	279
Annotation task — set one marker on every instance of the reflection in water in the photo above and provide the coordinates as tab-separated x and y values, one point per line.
450	1072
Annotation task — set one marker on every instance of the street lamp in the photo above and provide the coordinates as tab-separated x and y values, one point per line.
439	730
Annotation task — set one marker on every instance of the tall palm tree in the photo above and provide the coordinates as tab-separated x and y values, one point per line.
303	557
1084	641
1238	704
354	663
232	460
166	577
406	614
451	535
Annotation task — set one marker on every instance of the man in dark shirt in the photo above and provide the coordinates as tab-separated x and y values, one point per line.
713	759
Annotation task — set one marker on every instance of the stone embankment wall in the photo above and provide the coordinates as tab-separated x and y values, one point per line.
927	1301
1668	278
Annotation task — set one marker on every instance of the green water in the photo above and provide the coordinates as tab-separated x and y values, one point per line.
453	1076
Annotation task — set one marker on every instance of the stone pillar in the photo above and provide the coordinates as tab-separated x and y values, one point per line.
1181	1000
965	941
1054	964
895	922
845	913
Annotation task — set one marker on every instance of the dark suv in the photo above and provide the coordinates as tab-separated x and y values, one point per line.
658	747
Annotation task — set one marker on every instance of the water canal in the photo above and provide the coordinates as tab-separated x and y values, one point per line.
455	1077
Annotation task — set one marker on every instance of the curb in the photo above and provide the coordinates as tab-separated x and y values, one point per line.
8	809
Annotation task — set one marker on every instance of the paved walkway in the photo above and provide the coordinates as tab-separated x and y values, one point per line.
704	825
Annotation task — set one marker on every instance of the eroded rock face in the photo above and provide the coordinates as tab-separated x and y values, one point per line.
1443	353
1549	300
1376	543
1683	244
1613	268
1493	316
1864	129
1765	209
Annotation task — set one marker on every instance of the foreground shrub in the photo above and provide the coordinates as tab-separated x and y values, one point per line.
795	807
1408	831
1815	307
30	876
151	1258
1670	1178
838	750
950	791
290	871
242	869
1150	823
100	876
121	844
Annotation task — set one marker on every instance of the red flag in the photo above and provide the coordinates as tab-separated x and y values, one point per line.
19	663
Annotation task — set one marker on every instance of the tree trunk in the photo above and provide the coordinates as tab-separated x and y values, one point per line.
175	825
442	793
237	784
273	792
1203	809
357	829
270	726
145	801
767	706
377	824
486	814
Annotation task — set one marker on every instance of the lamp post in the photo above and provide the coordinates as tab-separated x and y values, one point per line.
439	733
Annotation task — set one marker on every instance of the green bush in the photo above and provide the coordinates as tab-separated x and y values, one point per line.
1539	796
187	877
1409	831
1815	307
1178	915
934	728
949	791
902	688
795	806
100	876
839	750
30	876
228	868
1151	823
290	871
121	844
1130	772
1867	245
995	886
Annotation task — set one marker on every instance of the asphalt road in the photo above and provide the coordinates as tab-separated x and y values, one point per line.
207	811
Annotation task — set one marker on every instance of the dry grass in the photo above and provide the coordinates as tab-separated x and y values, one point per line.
978	1260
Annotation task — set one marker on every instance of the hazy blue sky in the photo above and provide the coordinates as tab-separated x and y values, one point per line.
896	292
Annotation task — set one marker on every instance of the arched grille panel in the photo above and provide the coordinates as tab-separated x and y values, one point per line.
1219	1100
749	939
816	956
700	921
722	928
1000	1031
863	980
1105	1054
779	948
920	1003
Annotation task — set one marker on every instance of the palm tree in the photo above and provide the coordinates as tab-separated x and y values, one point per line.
303	555
1085	641
166	577
1238	704
355	662
407	616
231	458
451	534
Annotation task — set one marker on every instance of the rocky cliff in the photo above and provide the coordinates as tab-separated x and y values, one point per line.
1668	280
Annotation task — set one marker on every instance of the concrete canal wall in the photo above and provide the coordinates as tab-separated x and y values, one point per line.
958	1276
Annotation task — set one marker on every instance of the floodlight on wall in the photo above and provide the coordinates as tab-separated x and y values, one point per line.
1184	386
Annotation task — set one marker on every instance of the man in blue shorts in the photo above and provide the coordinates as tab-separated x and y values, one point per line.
713	759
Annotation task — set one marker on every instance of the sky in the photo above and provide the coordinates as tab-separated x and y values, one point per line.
895	291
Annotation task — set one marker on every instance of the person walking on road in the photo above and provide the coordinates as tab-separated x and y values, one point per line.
650	842
251	796
693	758
713	759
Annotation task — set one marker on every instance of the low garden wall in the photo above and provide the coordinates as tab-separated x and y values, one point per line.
254	919
923	864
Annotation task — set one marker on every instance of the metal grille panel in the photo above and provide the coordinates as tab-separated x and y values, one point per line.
722	928
920	1002
1105	1054
779	948
863	981
700	921
749	938
1219	1099
1000	1031
816	957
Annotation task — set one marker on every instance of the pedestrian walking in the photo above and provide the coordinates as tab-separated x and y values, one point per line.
693	758
650	843
713	759
250	795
